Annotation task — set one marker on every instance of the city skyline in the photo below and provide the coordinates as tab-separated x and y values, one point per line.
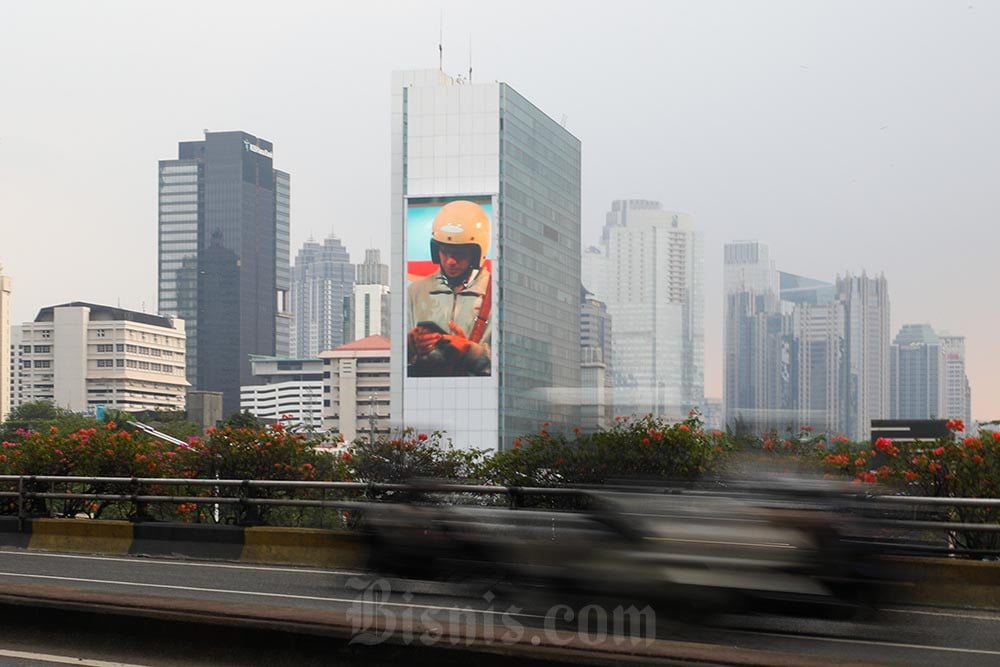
755	120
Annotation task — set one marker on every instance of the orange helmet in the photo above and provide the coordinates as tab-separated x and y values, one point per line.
461	223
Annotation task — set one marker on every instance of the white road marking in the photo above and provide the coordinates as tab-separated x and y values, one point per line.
183	563
843	640
63	659
314	598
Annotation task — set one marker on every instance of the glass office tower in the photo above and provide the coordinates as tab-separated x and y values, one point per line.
485	143
223	256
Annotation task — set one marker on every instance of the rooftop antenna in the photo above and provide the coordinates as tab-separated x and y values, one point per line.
441	41
470	57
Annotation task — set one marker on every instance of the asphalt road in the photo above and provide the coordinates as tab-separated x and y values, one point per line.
94	610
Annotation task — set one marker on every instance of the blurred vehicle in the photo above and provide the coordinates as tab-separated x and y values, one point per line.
794	548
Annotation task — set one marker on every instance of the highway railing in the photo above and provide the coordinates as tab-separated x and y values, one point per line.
909	525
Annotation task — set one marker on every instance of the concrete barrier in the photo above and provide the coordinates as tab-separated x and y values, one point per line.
187	540
303	546
949	582
80	536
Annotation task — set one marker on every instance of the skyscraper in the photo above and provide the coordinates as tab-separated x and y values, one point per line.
223	256
655	298
866	350
803	352
487	146
322	281
753	328
917	375
957	393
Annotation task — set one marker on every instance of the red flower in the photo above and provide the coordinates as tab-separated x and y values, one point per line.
684	427
559	461
421	437
645	441
938	451
996	436
346	456
912	476
977	459
955	425
517	443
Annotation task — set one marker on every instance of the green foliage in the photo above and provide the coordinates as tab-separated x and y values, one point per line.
244	419
40	416
411	456
633	448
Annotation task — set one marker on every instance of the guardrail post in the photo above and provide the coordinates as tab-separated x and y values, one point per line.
514	494
20	504
248	514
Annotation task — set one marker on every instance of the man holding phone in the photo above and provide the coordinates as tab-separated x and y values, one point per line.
449	310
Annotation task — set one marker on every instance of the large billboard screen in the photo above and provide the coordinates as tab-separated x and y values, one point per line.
449	295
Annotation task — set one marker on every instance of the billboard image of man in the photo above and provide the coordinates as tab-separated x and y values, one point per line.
449	310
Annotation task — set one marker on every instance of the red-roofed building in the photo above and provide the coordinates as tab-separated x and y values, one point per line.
356	388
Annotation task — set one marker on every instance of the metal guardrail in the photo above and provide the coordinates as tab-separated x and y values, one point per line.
248	496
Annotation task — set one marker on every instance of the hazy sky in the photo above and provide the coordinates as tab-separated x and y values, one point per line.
848	136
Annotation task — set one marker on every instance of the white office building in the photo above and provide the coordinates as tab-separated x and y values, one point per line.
80	356
485	143
654	293
368	312
289	390
957	393
356	388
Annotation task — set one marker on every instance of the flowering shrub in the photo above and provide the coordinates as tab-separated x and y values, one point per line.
410	456
645	447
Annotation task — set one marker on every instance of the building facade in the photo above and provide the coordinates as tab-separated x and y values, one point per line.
223	256
957	392
455	140
597	395
369	310
79	356
322	283
917	374
356	389
866	351
654	294
800	351
752	335
285	389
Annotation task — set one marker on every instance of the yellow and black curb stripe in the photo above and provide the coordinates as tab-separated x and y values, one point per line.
284	546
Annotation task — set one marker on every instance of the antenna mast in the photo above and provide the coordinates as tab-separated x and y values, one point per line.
441	41
470	57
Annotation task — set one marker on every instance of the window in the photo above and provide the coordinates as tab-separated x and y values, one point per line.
105	363
43	363
45	333
105	347
101	333
42	349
